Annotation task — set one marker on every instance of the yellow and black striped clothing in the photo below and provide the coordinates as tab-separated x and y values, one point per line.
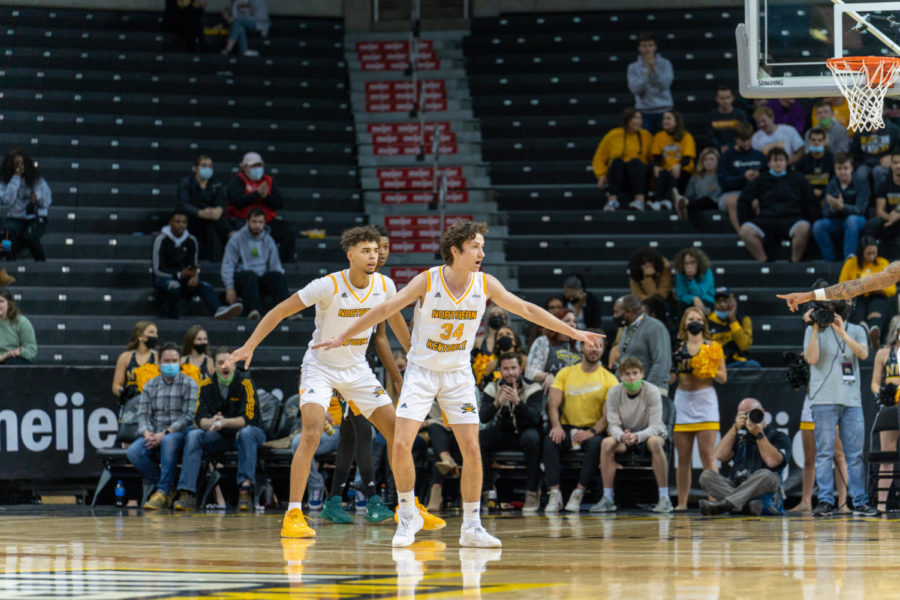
240	402
735	338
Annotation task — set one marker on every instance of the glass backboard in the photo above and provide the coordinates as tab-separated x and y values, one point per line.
783	44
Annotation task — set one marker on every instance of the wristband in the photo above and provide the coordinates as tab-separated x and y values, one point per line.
820	295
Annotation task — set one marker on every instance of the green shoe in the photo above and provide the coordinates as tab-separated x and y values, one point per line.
333	511
376	511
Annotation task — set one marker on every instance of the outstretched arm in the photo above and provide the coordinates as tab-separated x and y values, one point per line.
290	305
848	289
534	313
382	312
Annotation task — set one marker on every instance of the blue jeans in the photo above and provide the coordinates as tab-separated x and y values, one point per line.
826	230
849	422
170	291
240	27
146	460
743	364
327	444
247	442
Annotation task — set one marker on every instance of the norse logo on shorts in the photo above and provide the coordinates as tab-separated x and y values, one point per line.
468	407
379	391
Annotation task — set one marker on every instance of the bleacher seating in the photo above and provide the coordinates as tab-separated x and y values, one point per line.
115	119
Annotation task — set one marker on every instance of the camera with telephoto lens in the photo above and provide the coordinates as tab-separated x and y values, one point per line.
797	369
886	395
756	416
823	316
681	361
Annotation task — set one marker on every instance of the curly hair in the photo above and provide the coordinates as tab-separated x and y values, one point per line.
698	255
644	255
8	167
358	235
458	234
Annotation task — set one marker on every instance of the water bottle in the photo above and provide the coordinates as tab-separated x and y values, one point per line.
361	501
120	494
492	499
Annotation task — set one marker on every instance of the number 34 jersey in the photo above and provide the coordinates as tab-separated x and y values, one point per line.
444	327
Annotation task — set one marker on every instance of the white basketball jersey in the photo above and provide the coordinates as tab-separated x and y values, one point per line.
444	327
338	305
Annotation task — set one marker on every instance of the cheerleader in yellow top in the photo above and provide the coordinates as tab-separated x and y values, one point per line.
885	373
701	363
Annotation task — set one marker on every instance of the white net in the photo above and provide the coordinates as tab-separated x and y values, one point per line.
864	83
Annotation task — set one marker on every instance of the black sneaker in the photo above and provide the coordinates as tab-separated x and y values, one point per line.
864	510
823	509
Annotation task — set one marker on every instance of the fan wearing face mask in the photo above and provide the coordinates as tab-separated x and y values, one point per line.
505	340
494	319
202	196
140	351
732	329
696	402
195	352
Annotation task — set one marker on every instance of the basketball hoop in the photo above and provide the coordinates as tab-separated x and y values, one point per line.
864	82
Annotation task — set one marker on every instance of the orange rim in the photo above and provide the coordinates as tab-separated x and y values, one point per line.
874	75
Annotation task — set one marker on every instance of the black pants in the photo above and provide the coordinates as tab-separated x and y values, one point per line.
665	183
704	203
26	233
282	232
494	438
634	172
356	440
211	236
251	287
15	360
186	23
591	448
875	228
442	440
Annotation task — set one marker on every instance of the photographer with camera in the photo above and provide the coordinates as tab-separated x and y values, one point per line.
833	351
758	452
885	379
511	408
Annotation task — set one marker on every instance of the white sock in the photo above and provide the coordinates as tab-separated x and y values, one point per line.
293	505
471	513
407	502
608	493
663	492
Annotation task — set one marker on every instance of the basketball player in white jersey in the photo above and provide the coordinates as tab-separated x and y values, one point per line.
449	303
340	298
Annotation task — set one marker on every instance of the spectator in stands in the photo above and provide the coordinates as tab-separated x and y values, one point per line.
695	283
837	134
622	157
817	164
887	204
203	199
512	412
649	273
840	111
869	310
722	121
769	135
251	267
329	441
17	342
703	189
446	448
698	363
872	152
844	209
555	306
777	205
635	423
494	318
787	111
166	412
127	382
732	330
885	379
738	167
650	80
833	355
505	340
26	197
176	274
551	352
246	17
673	153
184	18
227	419
252	188
577	420
645	338
195	352
581	302
759	452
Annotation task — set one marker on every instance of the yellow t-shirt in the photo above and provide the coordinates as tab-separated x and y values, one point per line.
672	152
583	394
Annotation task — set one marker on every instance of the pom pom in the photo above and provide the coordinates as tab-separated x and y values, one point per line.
145	373
705	364
191	371
479	365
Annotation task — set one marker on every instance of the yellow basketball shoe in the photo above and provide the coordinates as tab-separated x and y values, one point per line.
432	523
295	526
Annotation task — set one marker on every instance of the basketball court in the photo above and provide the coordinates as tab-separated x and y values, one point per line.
70	552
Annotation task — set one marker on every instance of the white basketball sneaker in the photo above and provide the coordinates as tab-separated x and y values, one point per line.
474	535
554	502
407	527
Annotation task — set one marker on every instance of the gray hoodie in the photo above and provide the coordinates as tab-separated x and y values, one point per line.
247	253
651	91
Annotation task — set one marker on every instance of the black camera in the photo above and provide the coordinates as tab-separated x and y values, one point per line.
797	369
681	361
756	416
886	395
822	316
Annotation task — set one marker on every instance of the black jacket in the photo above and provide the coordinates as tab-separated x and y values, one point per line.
192	198
241	402
171	254
526	414
787	197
